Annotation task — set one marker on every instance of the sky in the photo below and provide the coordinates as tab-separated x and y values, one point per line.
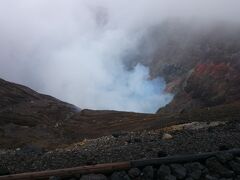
74	49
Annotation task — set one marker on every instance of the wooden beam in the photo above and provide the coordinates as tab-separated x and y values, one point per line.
99	168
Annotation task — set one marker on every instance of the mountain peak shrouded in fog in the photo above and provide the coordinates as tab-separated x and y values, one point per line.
87	52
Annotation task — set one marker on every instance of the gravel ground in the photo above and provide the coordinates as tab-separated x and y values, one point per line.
123	147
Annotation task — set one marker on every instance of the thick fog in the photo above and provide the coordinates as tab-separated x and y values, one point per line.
75	49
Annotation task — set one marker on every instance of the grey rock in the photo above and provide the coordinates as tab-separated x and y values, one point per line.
148	172
205	171
196	174
217	168
209	177
134	172
93	177
163	171
194	170
179	171
120	175
235	166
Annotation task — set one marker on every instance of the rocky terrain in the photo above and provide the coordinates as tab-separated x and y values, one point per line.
222	165
177	140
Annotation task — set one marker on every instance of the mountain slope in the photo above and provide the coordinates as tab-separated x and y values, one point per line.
200	63
27	116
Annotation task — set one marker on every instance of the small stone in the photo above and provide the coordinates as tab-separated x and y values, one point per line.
216	167
134	173
205	171
163	171
167	136
196	174
170	177
235	166
179	171
194	170
148	172
208	177
120	175
93	177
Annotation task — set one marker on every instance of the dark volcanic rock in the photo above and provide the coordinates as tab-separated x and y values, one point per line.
224	157
194	170
216	167
179	171
148	172
209	177
121	175
163	171
235	166
134	173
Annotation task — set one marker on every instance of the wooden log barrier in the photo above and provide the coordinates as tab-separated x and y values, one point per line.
110	167
99	168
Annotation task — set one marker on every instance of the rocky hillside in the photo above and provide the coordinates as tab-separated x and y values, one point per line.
200	63
27	116
190	138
